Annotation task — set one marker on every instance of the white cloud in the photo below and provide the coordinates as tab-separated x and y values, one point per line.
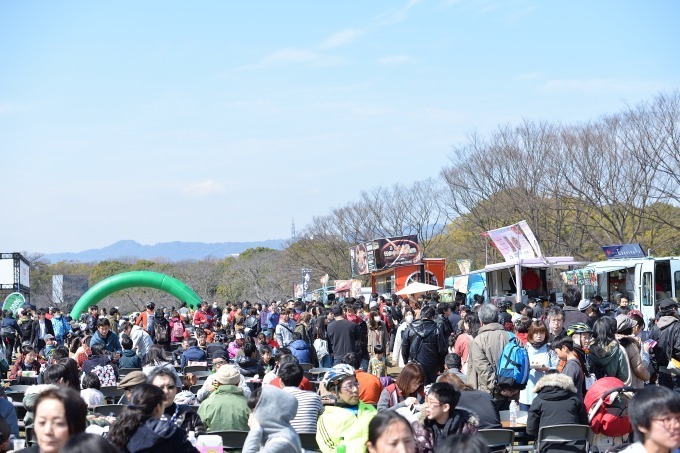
395	16
292	55
341	38
393	60
203	188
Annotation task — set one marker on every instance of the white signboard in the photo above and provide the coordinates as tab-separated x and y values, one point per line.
515	241
7	271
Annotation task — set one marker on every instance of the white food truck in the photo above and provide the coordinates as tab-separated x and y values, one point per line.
645	281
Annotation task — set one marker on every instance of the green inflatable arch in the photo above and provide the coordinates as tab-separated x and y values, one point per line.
135	279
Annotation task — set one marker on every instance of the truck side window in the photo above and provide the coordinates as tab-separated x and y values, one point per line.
647	286
677	284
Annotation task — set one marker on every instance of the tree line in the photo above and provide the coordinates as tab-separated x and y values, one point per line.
611	180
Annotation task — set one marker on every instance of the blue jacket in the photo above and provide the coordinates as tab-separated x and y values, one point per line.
272	320
129	359
193	354
300	350
8	412
61	328
110	343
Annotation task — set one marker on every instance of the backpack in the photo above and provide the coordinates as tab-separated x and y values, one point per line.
178	329
513	365
162	331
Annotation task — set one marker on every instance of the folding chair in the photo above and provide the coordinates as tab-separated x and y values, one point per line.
108	409
559	434
112	393
124	371
306	366
202	373
308	441
498	439
16	396
195	368
17	388
31	438
231	440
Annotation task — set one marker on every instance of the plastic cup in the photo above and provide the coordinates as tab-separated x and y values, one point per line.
18	444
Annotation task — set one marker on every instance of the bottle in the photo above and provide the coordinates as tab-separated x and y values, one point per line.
341	448
513	413
191	437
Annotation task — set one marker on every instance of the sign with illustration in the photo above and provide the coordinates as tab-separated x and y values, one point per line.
515	241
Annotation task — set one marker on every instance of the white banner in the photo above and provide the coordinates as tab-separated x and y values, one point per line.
515	241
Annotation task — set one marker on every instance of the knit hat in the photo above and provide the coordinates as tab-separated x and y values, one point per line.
132	379
623	322
228	374
584	304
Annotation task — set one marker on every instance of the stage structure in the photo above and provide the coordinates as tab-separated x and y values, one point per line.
15	275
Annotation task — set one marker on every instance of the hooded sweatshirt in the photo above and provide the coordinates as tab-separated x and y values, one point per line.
300	350
159	437
273	412
609	361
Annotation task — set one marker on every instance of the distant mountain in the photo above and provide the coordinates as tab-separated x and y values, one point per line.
171	251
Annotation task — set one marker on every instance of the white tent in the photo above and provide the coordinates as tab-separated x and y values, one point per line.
417	287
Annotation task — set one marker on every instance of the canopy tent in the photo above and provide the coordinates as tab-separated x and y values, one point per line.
417	287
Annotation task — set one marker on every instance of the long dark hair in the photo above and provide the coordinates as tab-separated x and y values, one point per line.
472	320
381	422
604	330
64	373
145	399
155	356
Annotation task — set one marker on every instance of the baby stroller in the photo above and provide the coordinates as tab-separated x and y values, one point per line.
607	404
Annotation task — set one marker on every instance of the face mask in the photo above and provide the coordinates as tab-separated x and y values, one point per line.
376	318
409	318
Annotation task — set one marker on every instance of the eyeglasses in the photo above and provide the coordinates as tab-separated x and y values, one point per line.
219	363
668	421
350	386
429	402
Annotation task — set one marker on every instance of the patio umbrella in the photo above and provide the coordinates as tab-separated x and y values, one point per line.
417	287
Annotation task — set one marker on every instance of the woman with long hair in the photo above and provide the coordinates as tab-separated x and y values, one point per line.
83	352
462	346
303	326
542	359
607	357
377	331
397	357
407	391
139	428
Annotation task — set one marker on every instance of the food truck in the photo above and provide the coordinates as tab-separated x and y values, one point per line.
394	263
504	280
628	272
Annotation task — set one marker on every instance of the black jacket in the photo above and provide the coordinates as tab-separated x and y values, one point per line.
482	405
424	342
187	419
35	331
556	403
159	437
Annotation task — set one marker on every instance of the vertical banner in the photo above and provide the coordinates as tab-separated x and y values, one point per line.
306	277
297	290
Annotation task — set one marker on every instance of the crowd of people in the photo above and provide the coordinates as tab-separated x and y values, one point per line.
393	374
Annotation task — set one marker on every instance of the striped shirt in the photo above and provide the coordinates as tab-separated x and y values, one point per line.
308	412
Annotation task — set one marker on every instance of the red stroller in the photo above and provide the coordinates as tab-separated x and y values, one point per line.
607	405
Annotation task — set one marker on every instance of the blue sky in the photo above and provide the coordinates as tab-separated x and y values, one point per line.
219	121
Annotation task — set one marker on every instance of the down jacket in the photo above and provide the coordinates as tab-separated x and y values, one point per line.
424	343
556	403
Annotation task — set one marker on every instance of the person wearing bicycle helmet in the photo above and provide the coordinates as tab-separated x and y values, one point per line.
582	335
505	314
349	417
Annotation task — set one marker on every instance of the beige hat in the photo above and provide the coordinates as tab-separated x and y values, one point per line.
228	374
132	379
